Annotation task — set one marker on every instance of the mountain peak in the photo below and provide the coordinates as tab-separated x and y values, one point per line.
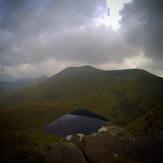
80	67
87	69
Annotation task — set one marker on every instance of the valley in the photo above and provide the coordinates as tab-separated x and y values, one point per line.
132	99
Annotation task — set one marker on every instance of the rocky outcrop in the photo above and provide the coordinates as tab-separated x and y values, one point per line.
65	152
102	129
110	144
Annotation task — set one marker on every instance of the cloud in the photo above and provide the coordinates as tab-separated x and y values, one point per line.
34	32
90	44
48	68
142	24
24	25
42	37
24	17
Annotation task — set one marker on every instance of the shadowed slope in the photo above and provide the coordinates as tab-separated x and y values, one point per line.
87	113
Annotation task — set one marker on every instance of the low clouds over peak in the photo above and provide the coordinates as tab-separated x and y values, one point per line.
39	36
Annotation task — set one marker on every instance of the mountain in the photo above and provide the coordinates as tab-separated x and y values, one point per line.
5	77
132	98
132	101
7	88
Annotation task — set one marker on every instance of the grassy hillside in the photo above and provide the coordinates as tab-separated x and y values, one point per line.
9	88
151	123
123	96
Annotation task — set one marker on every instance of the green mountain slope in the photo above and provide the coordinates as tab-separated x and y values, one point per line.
123	96
9	88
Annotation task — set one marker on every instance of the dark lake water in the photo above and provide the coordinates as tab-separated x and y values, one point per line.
72	124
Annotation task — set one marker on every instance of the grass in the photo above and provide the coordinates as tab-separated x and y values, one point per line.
125	97
33	115
150	124
130	98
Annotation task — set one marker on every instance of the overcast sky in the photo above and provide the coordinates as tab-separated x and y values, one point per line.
41	37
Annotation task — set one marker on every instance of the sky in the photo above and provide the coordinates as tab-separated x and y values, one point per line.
40	38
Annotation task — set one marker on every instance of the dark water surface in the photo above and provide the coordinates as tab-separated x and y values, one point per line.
72	124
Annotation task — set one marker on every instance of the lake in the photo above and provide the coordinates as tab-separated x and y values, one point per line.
84	122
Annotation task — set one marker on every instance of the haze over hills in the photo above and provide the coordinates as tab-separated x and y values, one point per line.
7	88
131	97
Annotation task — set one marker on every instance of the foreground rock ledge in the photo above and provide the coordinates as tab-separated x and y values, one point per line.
110	144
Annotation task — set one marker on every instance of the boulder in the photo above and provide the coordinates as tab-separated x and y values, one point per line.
68	137
102	129
65	152
80	136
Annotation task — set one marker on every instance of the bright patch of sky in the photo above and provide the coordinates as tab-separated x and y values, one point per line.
112	16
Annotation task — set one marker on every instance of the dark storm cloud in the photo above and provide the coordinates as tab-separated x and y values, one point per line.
24	23
142	23
29	14
38	30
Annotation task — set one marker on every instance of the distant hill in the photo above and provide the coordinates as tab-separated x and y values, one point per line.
7	88
131	98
